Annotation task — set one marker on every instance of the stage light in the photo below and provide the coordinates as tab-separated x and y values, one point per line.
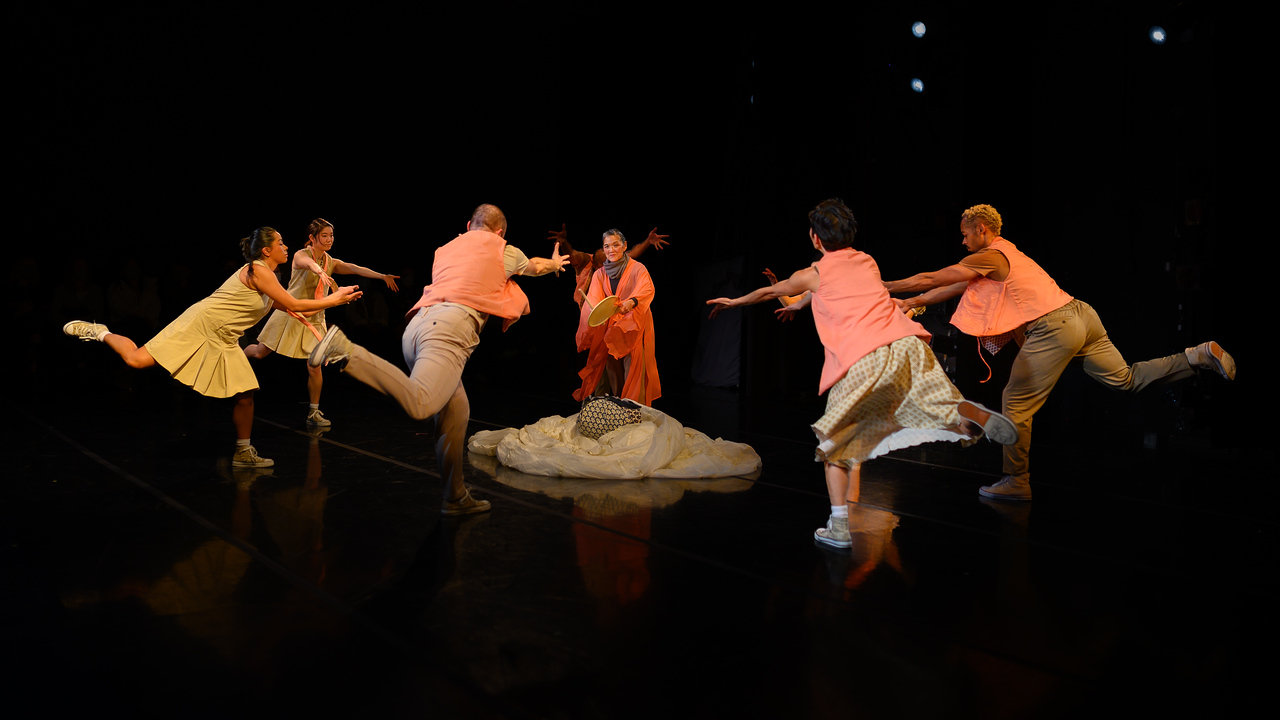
1157	35
918	29
917	84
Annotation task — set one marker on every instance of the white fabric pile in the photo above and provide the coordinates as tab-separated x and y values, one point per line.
656	447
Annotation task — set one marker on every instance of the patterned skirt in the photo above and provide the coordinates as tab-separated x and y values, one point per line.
897	396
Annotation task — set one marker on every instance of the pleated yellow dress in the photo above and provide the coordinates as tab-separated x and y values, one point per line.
201	348
287	335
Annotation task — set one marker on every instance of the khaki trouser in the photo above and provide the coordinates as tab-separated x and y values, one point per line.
1052	340
436	345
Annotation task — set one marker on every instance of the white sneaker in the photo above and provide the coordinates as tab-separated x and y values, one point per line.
334	347
835	534
246	456
85	330
315	418
1210	355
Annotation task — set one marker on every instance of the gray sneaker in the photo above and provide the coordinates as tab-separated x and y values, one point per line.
333	348
835	534
1008	488
1211	356
996	427
248	457
85	330
316	419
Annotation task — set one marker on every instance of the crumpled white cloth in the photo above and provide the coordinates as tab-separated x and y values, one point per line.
657	447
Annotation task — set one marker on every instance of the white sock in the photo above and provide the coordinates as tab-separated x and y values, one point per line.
840	511
242	442
102	336
315	406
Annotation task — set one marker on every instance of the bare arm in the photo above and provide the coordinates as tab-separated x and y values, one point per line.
346	268
928	281
802	281
786	300
265	281
936	295
654	240
789	310
542	266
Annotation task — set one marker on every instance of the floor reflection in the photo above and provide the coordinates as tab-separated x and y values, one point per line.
617	514
873	546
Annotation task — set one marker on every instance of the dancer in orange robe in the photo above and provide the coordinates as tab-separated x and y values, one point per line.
621	360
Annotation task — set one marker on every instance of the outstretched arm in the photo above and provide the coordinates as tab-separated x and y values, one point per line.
789	310
266	283
947	276
654	240
346	268
542	266
802	281
936	295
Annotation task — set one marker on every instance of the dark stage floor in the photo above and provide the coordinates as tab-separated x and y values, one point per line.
144	578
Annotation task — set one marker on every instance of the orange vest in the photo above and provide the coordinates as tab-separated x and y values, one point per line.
468	270
989	307
853	313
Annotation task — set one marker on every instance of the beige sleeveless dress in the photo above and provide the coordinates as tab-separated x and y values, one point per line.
284	333
201	348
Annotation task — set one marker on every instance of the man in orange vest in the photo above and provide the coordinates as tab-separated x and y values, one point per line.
1007	296
471	280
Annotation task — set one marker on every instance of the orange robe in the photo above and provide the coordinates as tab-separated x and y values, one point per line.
628	334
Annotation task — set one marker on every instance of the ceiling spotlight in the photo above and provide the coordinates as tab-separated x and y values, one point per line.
918	29
917	84
1157	35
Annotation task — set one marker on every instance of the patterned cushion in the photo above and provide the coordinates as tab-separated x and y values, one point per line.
605	413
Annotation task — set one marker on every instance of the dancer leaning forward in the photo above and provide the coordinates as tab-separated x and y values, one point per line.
887	390
201	349
470	280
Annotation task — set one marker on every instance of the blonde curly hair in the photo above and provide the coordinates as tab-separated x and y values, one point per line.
984	214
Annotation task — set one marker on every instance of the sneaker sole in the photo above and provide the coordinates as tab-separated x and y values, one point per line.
996	427
481	506
316	358
1222	361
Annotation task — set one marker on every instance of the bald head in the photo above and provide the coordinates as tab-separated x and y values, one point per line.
490	218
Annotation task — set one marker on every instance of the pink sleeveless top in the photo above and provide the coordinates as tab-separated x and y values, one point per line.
468	270
854	313
989	307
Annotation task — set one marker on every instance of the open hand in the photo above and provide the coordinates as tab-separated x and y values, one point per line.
657	241
718	305
390	280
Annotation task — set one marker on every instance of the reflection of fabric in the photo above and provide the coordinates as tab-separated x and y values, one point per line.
204	581
895	397
659	446
645	493
201	348
626	335
612	566
288	336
